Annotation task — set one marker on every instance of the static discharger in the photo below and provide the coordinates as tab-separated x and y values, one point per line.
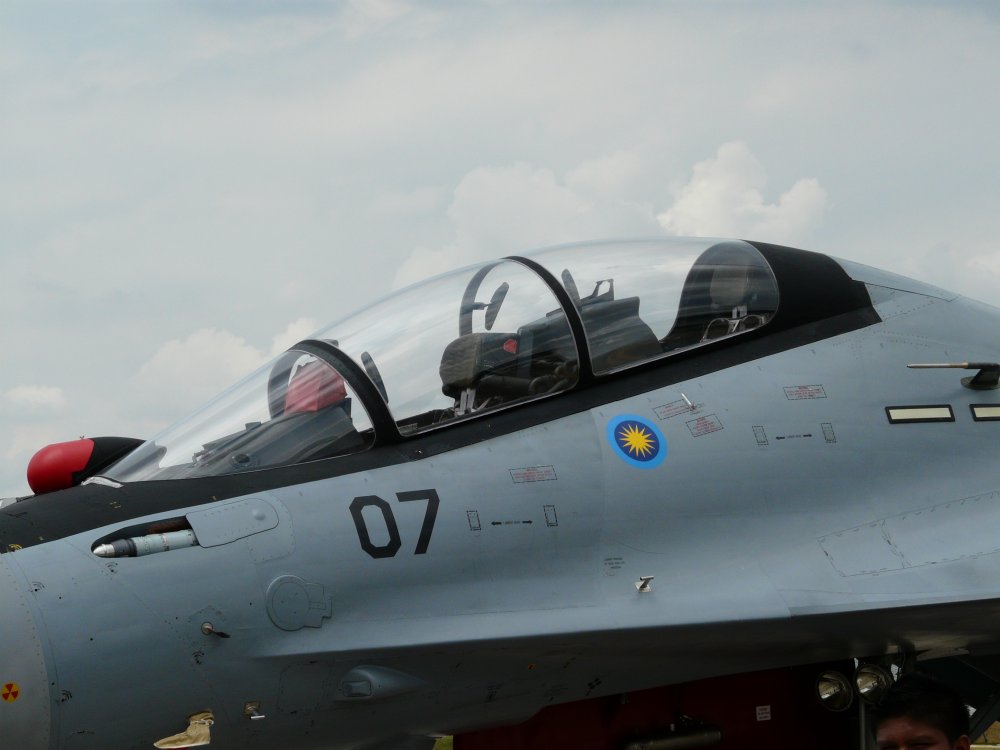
251	709
137	546
987	378
209	629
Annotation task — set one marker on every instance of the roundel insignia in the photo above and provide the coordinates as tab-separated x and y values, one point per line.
637	441
10	692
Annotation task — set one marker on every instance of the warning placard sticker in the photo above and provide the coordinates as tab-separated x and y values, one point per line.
800	392
704	425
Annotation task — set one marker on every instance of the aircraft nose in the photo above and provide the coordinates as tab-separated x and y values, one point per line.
24	685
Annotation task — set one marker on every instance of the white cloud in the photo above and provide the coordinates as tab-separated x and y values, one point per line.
723	199
419	201
503	210
423	263
497	211
508	210
365	16
186	372
36	396
984	262
295	332
614	174
273	31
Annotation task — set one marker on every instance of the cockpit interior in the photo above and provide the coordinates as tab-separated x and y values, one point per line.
467	343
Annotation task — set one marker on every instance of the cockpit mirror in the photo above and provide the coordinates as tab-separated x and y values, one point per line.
493	308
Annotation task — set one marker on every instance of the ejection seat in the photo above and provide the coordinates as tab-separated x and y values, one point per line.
730	291
311	419
724	293
616	334
318	411
478	368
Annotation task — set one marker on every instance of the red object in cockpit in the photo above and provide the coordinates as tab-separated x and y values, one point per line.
314	386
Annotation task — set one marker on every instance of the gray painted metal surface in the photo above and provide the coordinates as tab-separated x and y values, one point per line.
789	522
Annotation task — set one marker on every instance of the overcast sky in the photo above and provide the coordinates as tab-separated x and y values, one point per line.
187	187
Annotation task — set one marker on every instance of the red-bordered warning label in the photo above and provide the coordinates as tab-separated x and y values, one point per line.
800	392
10	692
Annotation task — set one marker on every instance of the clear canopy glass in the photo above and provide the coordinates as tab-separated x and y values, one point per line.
469	342
476	339
296	408
643	299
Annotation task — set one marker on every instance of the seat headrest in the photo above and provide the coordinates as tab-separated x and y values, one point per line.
314	386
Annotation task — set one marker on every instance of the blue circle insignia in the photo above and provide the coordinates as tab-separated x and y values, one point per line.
637	441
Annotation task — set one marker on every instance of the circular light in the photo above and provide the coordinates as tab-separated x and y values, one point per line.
834	691
872	681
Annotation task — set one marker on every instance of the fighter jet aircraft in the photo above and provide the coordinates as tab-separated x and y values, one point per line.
644	494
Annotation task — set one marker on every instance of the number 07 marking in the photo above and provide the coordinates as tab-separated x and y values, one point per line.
391	547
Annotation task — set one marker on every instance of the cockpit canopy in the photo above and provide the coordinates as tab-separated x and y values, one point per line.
472	341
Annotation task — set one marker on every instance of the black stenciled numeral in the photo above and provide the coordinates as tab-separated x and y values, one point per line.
431	496
390	548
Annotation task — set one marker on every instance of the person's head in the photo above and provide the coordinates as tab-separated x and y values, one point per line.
920	712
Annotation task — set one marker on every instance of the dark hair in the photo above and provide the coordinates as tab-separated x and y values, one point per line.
925	699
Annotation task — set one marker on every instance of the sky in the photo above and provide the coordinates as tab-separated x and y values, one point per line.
187	188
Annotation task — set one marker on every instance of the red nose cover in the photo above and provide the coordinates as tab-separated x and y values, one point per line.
52	468
314	386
